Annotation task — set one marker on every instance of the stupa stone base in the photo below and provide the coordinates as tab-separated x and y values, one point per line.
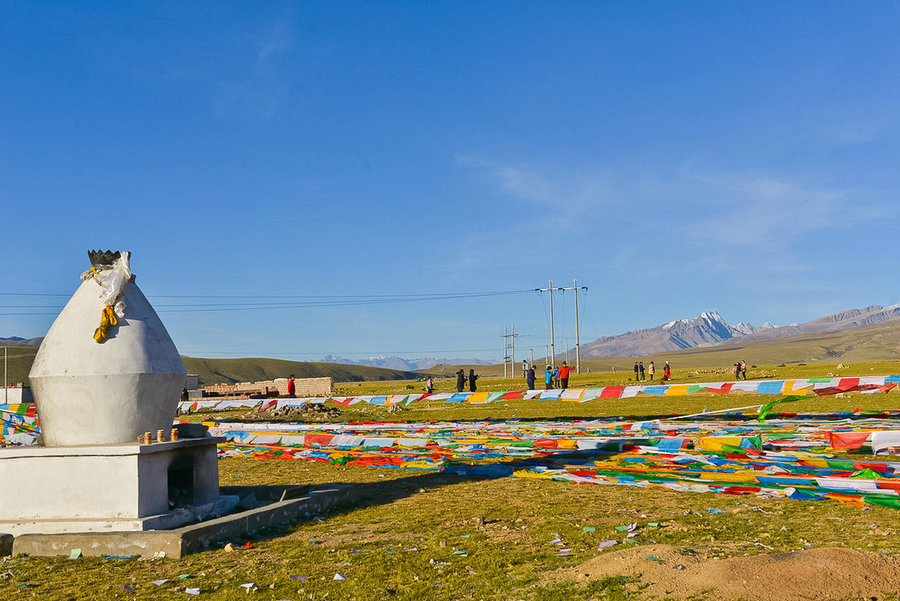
111	488
276	506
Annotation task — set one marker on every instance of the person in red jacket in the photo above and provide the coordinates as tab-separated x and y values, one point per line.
291	388
564	371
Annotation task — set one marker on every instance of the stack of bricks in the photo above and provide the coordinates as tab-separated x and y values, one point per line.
304	387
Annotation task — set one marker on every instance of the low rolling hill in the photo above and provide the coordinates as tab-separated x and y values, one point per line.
228	371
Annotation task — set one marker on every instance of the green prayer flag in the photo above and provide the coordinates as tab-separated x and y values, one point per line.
867	473
882	501
766	409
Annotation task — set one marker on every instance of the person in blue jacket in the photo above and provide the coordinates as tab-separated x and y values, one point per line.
548	378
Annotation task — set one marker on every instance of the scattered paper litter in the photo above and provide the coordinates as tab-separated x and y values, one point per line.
75	554
192	591
160	582
607	543
339	577
299	577
714	511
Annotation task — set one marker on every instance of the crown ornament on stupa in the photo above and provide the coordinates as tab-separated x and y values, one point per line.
103	258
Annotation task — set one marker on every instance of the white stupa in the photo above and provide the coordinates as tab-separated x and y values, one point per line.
111	390
107	372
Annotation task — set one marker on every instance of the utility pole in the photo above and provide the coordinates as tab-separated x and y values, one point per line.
575	287
5	379
509	350
552	357
577	339
512	353
505	348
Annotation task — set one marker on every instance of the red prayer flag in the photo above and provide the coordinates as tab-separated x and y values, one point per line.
848	383
611	392
725	389
847	440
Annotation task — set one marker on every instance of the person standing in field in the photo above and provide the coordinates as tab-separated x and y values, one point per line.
667	372
635	371
460	380
429	385
548	378
641	369
529	378
525	368
744	369
472	378
292	390
651	369
564	371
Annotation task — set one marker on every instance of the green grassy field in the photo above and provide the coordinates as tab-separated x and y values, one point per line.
434	536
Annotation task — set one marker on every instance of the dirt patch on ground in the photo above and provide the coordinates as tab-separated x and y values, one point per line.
821	574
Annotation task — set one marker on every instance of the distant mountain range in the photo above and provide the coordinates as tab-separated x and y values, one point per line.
710	329
404	364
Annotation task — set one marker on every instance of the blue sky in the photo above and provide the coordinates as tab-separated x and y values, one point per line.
674	157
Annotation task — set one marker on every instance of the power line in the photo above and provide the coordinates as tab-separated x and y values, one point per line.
338	353
312	301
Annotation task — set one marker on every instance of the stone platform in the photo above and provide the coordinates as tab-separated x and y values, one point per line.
276	507
110	488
